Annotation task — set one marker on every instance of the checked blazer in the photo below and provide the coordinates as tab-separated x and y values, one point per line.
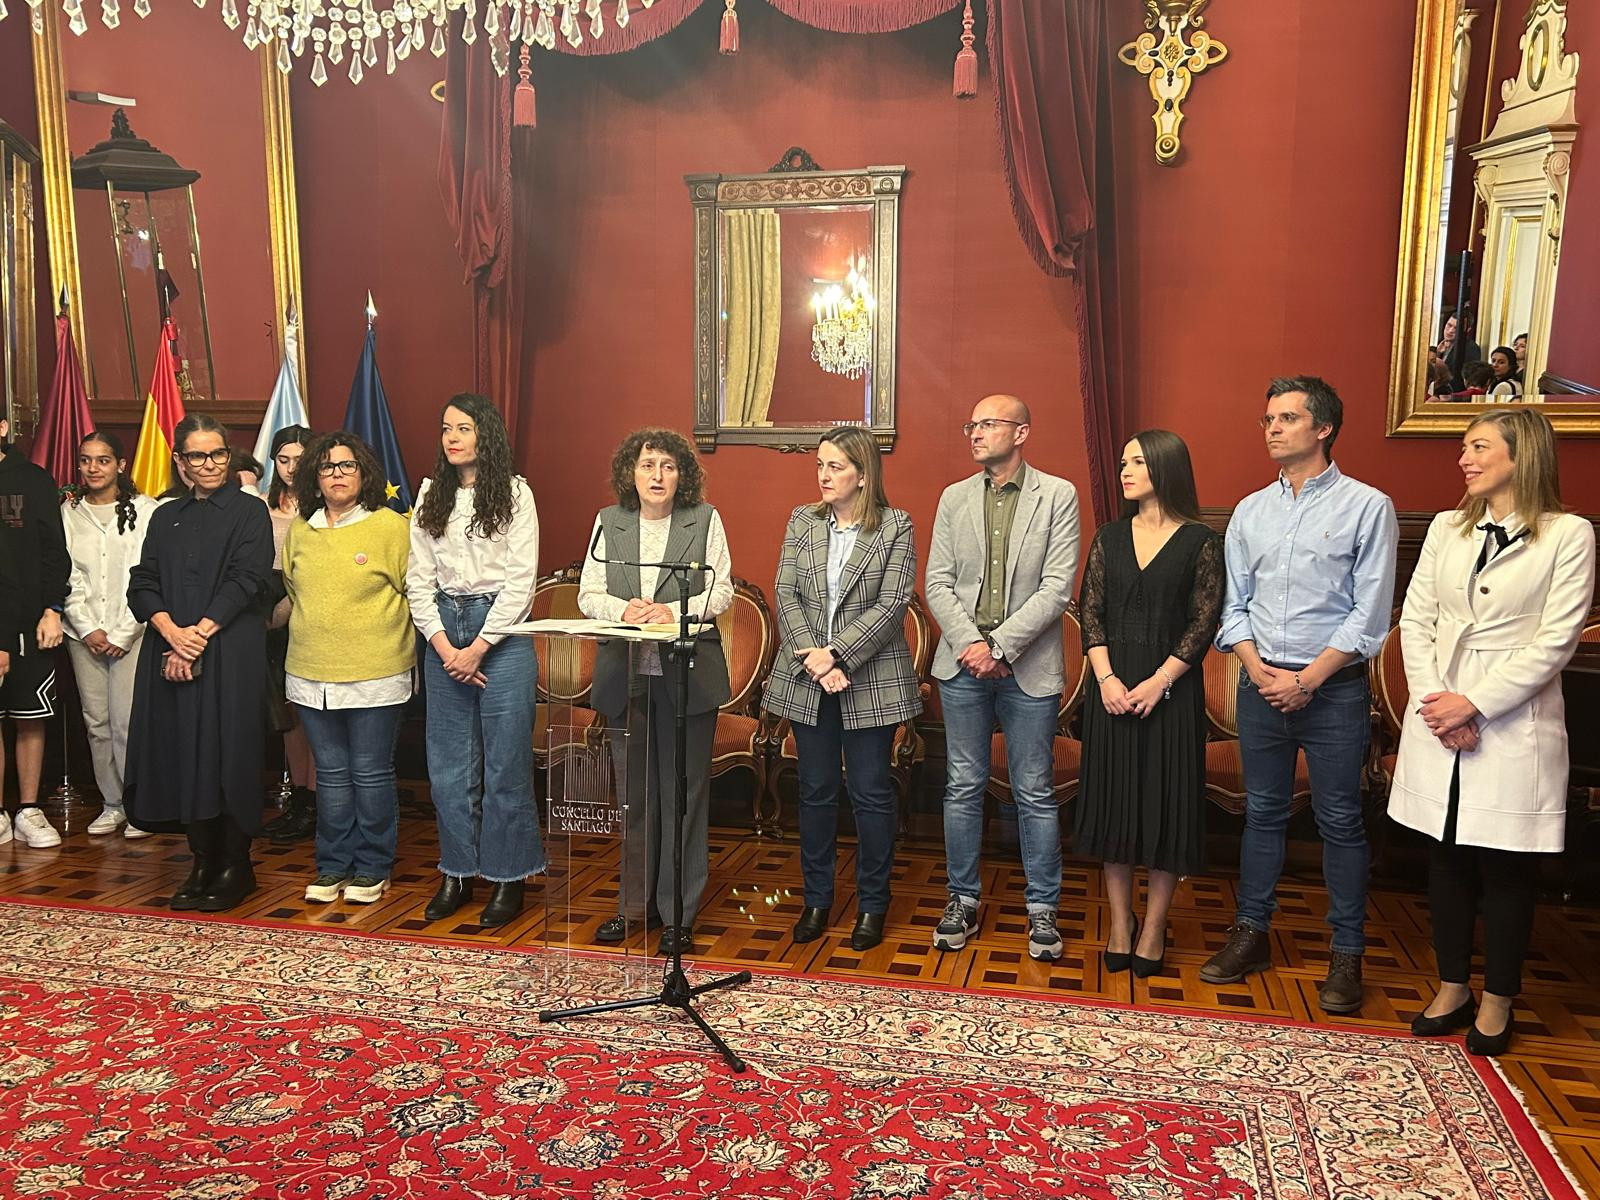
868	626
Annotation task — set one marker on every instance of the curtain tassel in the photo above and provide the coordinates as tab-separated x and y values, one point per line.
524	107
966	81
730	30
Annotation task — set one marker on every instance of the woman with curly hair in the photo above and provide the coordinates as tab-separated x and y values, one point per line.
660	516
105	524
350	658
474	564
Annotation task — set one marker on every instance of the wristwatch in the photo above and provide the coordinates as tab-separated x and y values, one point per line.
994	649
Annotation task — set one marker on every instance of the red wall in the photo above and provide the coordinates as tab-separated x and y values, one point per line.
1271	249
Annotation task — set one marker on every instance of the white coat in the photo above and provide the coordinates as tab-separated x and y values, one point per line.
1500	639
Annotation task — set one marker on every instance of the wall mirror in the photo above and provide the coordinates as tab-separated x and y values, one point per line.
1482	315
157	138
795	282
19	361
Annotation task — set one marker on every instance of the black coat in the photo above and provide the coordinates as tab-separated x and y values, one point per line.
34	566
195	749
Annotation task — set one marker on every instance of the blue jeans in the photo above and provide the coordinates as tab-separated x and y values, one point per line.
971	708
480	753
357	807
866	763
1332	731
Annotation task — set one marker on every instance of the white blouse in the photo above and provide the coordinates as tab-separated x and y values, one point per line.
101	560
596	601
506	565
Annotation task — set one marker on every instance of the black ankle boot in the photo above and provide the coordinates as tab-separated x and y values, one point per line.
298	823
187	897
811	925
230	886
505	902
454	891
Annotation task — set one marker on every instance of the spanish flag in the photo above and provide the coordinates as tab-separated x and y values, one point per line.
163	409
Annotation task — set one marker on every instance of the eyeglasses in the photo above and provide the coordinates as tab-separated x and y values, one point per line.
988	425
346	466
1288	418
219	457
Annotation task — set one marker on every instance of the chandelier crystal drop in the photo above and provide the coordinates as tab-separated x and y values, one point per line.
841	337
321	28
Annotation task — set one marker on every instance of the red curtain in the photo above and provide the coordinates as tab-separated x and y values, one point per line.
476	182
1053	106
863	16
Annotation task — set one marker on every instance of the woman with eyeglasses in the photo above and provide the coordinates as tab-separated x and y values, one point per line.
474	565
195	740
299	819
351	655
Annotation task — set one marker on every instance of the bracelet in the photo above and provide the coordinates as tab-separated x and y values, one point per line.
1304	690
1103	678
1167	692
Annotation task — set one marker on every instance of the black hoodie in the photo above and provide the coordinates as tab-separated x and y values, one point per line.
35	569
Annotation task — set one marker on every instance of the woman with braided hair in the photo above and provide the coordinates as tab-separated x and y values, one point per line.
105	523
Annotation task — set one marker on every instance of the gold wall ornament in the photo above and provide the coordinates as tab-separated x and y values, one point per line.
1171	60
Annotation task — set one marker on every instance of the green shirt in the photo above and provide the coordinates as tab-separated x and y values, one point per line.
999	510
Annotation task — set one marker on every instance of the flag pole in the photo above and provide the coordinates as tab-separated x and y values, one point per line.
66	794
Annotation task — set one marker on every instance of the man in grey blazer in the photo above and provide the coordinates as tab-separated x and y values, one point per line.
1000	574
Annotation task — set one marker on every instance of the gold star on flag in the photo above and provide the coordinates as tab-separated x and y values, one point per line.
392	491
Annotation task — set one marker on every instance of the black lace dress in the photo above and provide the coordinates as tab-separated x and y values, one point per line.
1141	795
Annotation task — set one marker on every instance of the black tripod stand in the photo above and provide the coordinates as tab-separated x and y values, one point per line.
676	990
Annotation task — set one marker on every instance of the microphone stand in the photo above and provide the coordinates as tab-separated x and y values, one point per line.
676	990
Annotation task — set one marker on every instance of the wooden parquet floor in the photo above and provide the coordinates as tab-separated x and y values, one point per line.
753	898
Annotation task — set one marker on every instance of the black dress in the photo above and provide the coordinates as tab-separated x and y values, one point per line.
195	749
1141	793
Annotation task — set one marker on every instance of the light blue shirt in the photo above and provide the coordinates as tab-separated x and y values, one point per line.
841	545
1310	571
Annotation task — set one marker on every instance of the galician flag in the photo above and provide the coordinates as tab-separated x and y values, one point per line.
163	409
286	407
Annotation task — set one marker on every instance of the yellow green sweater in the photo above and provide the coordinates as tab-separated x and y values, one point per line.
350	619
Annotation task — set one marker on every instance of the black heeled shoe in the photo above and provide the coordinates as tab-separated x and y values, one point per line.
454	891
230	886
1118	961
1489	1045
868	931
505	902
1460	1017
812	924
190	892
1146	967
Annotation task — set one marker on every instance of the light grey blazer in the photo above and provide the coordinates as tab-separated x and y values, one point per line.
1041	564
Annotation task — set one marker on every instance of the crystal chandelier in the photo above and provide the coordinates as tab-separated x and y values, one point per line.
841	338
361	30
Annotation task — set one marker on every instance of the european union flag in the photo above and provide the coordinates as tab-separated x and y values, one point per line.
368	418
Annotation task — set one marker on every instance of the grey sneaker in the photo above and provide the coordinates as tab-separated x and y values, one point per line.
960	921
1044	939
325	888
364	889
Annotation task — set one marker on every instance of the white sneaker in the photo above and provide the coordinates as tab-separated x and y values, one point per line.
325	888
33	828
109	820
5	827
133	833
364	889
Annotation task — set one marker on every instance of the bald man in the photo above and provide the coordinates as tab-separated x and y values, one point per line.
1005	553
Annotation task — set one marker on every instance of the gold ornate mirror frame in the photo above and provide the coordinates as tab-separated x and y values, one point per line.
283	231
1412	411
785	187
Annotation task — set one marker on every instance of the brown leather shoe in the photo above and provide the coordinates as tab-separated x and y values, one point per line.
1248	950
1341	990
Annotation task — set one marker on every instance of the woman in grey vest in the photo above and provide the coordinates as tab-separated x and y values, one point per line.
844	675
660	516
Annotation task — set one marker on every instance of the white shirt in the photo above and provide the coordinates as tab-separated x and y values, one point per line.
363	693
101	560
506	565
596	601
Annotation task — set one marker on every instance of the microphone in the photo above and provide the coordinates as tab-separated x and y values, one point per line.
594	544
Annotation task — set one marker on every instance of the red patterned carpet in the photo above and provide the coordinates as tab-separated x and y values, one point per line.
156	1057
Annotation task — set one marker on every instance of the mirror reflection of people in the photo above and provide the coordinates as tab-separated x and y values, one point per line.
351	654
1493	613
660	516
844	676
1152	592
106	525
474	565
1451	331
1503	364
1000	574
1476	379
1311	560
1520	345
195	740
299	818
34	576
